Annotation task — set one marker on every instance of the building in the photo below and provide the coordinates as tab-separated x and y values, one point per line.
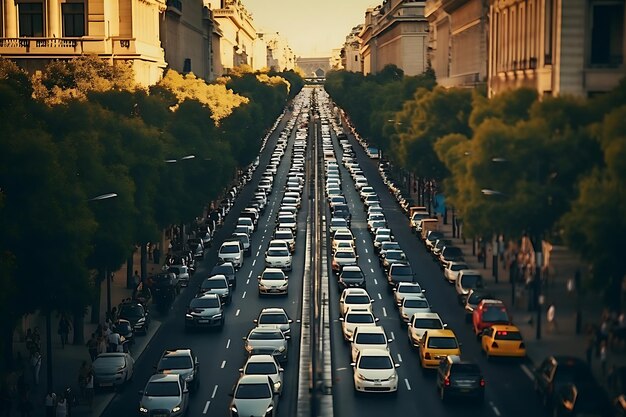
186	36
458	44
556	46
395	32
335	59
237	43
350	53
280	56
34	32
314	67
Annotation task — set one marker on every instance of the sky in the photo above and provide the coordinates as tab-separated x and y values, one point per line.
312	27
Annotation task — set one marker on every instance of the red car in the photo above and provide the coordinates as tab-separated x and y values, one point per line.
487	313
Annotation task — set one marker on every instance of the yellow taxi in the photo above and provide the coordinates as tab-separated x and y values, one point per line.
435	345
503	340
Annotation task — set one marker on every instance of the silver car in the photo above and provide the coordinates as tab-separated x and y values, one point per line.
164	395
253	396
113	369
274	317
268	340
413	304
265	365
217	284
182	362
205	311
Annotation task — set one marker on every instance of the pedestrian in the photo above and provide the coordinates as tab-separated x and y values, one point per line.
551	318
64	330
603	357
35	363
157	254
25	406
113	340
149	249
89	389
92	347
136	279
61	410
50	402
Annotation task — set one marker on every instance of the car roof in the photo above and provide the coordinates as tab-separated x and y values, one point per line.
177	352
505	328
261	358
491	301
430	315
164	378
408	284
272	270
273	310
231	243
469	272
370	329
217	277
352	291
352	268
358	310
253	379
440	333
207	296
266	329
375	352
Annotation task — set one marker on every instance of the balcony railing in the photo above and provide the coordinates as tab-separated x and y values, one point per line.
66	46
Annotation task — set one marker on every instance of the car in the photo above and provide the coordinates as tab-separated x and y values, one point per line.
273	281
205	311
341	235
460	378
136	314
435	345
182	272
375	225
278	258
196	245
471	302
344	244
246	221
351	276
181	362
399	273
356	317
416	217
245	241
253	396
217	284
388	245
287	221
422	322
582	399
113	369
556	371
379	240
267	340
502	340
287	236
432	237
406	289
343	257
467	280
368	337
413	304
164	393
375	371
265	365
354	297
452	269
487	313
393	256
337	223
231	252
438	247
274	317
228	270
450	254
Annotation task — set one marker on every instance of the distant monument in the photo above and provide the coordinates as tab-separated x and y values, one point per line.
314	67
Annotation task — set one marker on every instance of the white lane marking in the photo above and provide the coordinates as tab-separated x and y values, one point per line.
250	274
341	369
228	344
369	260
380	297
393	336
408	386
257	253
364	241
527	371
372	269
399	358
215	388
495	409
254	262
260	246
243	295
223	365
384	312
375	280
206	407
366	251
237	313
265	231
247	281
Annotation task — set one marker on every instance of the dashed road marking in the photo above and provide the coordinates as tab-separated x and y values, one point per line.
494	408
380	297
250	274
399	358
369	260
237	312
206	407
260	246
527	371
254	262
372	269
341	369
248	281
215	388
257	254
375	280
384	312
223	365
243	295
366	251
406	382
393	336
228	344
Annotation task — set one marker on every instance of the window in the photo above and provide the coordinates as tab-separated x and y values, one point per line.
73	19
31	19
549	27
607	32
187	65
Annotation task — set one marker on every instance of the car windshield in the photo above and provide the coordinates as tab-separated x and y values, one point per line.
344	254
371	339
351	274
508	335
427	324
260	368
278	252
395	254
574	373
253	391
266	335
342	236
410	289
359	318
433	236
175	362
273	318
471	281
273	276
131	310
442	343
286	219
211	284
338	222
387	246
162	389
475	297
415	303
375	362
495	315
452	251
402	270
222	270
205	303
458	267
357	299
284	236
229	249
465	369
110	361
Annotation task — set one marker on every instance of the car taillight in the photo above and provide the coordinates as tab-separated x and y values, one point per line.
446	381
494	345
427	355
482	382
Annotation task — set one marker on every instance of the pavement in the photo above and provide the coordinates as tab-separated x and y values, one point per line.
67	360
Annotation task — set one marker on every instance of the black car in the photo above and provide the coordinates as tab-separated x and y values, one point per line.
582	399
165	288
228	270
351	276
136	314
124	329
450	254
555	372
459	378
399	273
342	211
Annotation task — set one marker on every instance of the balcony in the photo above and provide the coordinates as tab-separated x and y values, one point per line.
175	6
65	47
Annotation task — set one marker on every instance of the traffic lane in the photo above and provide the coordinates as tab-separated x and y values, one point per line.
518	401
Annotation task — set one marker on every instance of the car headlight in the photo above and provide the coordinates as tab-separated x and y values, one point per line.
176	409
282	349
233	408
143	410
277	385
249	348
269	409
217	316
141	320
189	378
360	376
393	377
284	285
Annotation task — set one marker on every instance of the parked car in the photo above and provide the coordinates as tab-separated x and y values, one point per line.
228	270
136	314
459	378
467	280
113	369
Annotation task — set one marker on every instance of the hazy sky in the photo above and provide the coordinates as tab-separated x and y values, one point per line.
312	27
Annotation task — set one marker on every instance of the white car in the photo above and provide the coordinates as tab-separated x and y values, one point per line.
343	258
368	337
344	245
356	317
337	223
452	269
422	322
375	371
273	281
287	236
253	396
406	289
265	365
342	234
245	221
287	221
231	252
412	305
278	258
354	297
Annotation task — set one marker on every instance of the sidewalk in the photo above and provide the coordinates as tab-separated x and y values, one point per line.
67	361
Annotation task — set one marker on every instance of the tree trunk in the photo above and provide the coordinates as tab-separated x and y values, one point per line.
144	263
95	306
79	327
129	271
